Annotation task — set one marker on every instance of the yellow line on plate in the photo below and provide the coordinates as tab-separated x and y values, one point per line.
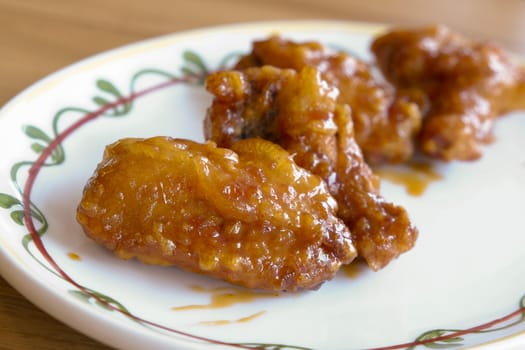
11	253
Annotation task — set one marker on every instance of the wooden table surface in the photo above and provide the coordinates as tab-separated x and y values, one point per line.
38	37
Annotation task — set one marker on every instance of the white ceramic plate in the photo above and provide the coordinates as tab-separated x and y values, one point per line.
462	285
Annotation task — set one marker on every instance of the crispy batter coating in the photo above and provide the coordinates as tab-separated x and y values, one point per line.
467	84
300	112
384	122
248	215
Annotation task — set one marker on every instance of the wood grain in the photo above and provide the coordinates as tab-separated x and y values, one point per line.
38	37
24	326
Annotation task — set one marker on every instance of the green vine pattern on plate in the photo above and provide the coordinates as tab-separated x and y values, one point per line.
108	96
116	104
452	338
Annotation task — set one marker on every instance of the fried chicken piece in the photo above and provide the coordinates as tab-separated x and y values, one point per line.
467	85
384	123
300	112
248	215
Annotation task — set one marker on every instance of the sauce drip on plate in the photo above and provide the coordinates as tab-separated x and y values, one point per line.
416	177
225	297
354	270
74	256
227	322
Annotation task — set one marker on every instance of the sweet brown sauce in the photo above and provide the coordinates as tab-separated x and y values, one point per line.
74	256
354	270
416	177
227	322
225	297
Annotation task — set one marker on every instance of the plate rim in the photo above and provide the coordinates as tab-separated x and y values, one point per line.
16	275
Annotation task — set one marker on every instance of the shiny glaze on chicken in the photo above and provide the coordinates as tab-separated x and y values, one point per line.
385	121
300	111
248	215
466	85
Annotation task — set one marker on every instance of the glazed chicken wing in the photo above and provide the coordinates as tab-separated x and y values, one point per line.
467	85
248	215
384	122
299	111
